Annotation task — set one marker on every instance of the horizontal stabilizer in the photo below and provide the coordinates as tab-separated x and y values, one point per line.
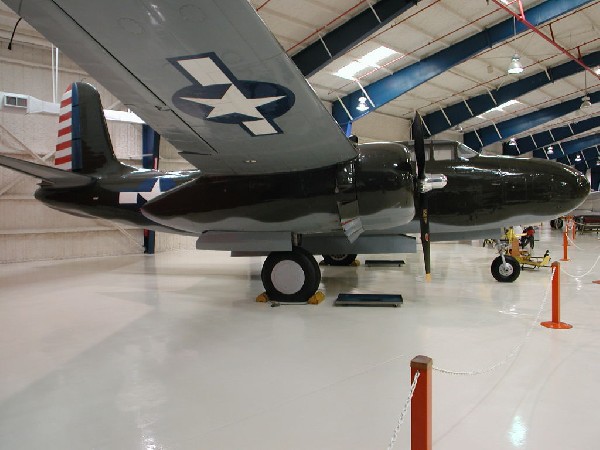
58	177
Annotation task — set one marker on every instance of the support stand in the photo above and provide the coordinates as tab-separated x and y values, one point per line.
565	246
556	324
420	407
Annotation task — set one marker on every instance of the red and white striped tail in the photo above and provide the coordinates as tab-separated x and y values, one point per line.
63	158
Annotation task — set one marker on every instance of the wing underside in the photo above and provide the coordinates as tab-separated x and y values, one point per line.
206	74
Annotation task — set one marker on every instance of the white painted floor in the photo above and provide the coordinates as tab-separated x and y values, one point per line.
172	352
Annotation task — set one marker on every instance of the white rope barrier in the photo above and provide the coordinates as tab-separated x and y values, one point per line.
572	242
515	351
406	405
583	275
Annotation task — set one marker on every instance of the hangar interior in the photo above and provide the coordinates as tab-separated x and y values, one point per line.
106	347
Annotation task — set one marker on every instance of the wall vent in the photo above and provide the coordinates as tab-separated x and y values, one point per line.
15	101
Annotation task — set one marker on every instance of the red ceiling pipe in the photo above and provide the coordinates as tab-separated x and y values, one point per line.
520	16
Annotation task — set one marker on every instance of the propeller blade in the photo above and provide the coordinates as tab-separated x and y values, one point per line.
424	219
419	145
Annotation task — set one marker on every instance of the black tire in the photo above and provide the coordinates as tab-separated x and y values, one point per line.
506	274
290	276
339	260
557	224
312	259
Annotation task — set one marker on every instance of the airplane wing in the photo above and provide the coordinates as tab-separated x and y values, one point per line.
57	177
205	74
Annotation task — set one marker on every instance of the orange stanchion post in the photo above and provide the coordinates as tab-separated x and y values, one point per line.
574	228
556	323
565	247
420	408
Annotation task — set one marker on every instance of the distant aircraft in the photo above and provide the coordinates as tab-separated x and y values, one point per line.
276	174
590	207
587	215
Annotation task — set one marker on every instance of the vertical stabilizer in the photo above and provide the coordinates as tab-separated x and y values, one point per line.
84	144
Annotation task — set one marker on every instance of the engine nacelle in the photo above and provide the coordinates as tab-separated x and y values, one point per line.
385	185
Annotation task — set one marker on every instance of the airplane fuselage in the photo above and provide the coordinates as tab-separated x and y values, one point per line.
482	193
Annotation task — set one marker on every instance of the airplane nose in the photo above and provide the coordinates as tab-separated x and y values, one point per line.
572	187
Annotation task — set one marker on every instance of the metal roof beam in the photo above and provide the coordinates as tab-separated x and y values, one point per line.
503	130
338	41
549	137
570	147
590	156
392	86
458	112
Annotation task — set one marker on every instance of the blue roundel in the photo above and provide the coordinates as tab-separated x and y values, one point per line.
217	95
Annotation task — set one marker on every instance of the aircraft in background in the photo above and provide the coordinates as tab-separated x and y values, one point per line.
276	174
587	215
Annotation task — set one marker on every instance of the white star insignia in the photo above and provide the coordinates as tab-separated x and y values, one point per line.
234	102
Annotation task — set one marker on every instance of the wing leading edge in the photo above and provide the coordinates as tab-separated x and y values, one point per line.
207	75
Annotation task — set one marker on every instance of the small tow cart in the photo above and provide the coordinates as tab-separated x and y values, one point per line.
507	267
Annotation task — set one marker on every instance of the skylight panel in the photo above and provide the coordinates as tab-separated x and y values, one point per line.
370	60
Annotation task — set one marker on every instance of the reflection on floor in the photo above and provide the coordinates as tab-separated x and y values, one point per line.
172	352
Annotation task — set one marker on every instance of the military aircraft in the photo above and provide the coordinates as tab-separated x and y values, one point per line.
276	175
588	211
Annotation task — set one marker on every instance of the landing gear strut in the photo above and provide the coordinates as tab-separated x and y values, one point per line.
291	276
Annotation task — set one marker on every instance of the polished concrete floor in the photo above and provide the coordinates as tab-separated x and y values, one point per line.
172	352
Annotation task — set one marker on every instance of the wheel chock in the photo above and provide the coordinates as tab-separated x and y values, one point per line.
317	298
355	263
262	298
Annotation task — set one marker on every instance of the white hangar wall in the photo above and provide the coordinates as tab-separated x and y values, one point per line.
30	230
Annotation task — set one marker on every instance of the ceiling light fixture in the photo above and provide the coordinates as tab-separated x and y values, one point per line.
585	100
362	104
578	158
515	65
512	141
550	150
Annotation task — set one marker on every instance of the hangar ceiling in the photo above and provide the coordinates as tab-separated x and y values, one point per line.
447	59
547	95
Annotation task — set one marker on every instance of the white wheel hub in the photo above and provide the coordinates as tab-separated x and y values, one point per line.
287	277
506	270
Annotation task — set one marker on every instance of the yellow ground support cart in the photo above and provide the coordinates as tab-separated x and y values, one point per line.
507	267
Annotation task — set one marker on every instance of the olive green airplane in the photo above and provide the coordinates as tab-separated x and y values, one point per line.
276	176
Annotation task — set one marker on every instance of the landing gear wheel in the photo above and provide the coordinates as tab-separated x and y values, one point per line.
505	273
290	276
557	224
339	260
